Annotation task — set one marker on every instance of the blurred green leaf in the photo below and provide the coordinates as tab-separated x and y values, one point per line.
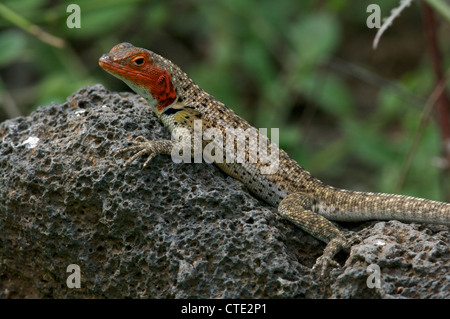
56	88
440	6
257	61
328	156
389	105
157	16
369	144
314	37
12	44
97	22
329	92
25	6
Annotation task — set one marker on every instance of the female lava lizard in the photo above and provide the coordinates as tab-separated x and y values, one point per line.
300	197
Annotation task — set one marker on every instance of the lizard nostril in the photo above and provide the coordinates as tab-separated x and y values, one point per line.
105	58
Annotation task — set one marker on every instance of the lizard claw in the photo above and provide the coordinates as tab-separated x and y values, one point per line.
323	263
353	240
336	244
143	147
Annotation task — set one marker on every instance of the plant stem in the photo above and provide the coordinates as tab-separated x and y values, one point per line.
443	102
29	27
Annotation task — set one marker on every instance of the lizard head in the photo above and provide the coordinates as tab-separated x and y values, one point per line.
147	73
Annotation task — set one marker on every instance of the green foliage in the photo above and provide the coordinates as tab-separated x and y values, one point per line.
271	61
13	44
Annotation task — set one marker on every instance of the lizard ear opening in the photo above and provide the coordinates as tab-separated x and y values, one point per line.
162	87
161	79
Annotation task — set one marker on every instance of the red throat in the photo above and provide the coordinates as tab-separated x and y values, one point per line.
160	86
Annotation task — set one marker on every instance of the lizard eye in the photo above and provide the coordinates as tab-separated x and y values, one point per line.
138	61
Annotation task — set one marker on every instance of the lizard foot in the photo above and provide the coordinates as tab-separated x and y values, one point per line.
334	246
354	239
323	263
144	146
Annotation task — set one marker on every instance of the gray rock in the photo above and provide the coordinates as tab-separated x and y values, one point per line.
413	261
171	230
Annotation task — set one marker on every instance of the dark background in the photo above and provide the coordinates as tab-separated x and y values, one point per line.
346	112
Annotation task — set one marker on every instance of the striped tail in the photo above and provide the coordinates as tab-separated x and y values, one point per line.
343	205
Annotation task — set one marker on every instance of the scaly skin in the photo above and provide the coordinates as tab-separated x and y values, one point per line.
300	197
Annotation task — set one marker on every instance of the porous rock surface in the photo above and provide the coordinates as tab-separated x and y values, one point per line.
170	230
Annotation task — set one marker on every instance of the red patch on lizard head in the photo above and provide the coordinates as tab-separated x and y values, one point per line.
136	65
157	80
159	83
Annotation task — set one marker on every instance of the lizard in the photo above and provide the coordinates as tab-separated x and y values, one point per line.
299	197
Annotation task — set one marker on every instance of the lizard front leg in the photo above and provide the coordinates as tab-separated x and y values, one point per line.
144	146
299	209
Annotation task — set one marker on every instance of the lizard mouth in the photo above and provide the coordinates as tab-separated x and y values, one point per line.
106	62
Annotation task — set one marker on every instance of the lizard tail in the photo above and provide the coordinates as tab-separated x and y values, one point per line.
343	205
